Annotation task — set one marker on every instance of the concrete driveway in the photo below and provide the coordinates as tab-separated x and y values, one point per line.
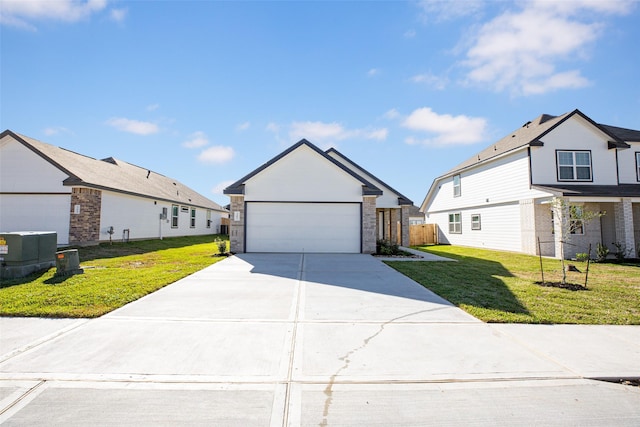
313	339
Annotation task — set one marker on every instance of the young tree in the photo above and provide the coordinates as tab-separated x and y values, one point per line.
570	219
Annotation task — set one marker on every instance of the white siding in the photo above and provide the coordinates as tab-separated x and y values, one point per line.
500	181
303	175
23	171
142	217
574	134
627	164
388	199
42	212
46	204
500	227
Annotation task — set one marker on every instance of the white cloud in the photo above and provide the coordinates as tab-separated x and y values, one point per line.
322	133
273	127
373	72
217	154
153	107
436	82
409	34
56	130
392	114
219	188
445	129
520	51
445	10
118	15
196	140
243	126
20	12
133	126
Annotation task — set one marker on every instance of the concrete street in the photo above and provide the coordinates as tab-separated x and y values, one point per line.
310	340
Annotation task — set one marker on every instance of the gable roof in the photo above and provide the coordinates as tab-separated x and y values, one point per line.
530	133
368	189
402	200
114	175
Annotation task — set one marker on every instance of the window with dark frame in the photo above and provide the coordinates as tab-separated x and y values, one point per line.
193	218
475	221
455	223
208	219
638	166
457	189
174	216
574	165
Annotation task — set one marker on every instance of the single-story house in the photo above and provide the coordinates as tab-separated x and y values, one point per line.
309	200
505	197
85	200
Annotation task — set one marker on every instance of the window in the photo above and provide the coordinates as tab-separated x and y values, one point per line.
638	166
456	186
174	216
208	219
184	209
455	223
574	165
193	218
475	222
576	226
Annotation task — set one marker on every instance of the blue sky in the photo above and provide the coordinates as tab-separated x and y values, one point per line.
206	91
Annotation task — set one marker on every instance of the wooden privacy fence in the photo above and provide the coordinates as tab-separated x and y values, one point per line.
423	234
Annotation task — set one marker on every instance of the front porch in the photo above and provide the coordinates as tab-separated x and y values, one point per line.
392	224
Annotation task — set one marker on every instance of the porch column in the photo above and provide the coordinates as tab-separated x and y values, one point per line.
395	217
369	218
404	224
623	212
559	214
236	230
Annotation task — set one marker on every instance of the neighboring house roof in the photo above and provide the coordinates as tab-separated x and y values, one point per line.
114	175
368	189
531	132
414	211
402	200
620	190
529	135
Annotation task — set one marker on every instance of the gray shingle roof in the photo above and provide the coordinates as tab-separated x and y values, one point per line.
531	132
620	190
115	175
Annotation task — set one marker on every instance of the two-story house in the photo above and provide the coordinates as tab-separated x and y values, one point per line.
503	197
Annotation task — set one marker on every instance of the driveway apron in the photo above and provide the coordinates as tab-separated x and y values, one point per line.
291	339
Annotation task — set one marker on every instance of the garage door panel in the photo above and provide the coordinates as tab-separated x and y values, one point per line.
303	227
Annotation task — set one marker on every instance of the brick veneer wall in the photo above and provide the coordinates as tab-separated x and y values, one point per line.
84	227
236	232
369	225
404	224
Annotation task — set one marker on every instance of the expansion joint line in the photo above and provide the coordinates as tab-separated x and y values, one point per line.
285	418
21	398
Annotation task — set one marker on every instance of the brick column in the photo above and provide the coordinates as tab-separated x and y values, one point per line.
236	229
84	222
394	218
624	225
404	224
369	224
559	212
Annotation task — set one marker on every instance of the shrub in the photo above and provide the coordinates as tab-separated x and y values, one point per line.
385	247
602	252
622	251
582	256
222	246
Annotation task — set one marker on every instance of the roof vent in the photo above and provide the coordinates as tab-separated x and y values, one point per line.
526	125
110	160
148	173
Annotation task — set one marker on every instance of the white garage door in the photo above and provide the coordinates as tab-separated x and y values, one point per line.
303	227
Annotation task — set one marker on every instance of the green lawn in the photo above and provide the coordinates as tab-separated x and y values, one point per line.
499	286
114	275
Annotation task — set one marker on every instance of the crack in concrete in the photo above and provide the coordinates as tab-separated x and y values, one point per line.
328	391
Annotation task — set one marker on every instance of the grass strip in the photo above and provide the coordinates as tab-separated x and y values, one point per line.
497	286
114	275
